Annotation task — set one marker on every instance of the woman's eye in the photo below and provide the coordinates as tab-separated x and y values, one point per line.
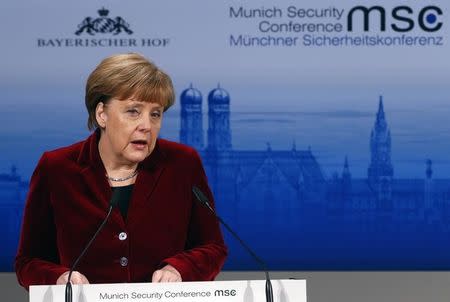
133	111
156	114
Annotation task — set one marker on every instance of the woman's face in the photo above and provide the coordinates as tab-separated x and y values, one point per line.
129	129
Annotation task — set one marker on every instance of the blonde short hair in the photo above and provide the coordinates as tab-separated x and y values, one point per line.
124	76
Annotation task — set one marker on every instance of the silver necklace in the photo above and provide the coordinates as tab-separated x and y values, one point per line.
124	178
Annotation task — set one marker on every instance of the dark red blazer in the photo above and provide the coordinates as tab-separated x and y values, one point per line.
68	199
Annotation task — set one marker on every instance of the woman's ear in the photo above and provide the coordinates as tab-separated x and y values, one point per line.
100	115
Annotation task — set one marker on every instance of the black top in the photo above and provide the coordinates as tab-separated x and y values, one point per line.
124	198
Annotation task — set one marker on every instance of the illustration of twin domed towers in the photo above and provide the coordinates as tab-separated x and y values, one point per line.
191	130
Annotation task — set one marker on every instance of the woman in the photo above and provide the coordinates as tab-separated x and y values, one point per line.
158	233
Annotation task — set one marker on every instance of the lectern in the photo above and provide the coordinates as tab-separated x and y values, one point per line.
217	291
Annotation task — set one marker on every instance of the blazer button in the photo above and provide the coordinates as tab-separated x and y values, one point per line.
123	236
124	261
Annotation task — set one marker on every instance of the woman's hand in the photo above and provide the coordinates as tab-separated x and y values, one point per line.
76	278
167	274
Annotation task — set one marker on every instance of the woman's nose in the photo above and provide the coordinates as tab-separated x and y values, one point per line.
145	124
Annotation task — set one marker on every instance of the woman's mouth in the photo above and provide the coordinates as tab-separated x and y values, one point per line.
139	144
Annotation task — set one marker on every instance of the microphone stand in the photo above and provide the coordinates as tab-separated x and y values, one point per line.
68	291
204	201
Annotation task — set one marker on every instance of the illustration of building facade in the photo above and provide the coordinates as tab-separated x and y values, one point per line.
285	192
288	188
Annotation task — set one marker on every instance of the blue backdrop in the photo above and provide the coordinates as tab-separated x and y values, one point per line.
323	128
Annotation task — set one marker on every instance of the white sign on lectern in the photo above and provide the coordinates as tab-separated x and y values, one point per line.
217	291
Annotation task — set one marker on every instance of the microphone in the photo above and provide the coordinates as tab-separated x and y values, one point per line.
200	197
112	204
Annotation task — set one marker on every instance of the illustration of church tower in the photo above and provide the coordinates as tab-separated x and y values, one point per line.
218	153
346	183
219	132
428	190
191	128
380	171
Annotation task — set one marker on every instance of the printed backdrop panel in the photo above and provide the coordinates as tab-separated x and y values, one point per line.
323	126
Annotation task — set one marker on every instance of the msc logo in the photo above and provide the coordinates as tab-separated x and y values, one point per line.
225	292
403	18
103	25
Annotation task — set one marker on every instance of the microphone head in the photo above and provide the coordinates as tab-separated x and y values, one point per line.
201	197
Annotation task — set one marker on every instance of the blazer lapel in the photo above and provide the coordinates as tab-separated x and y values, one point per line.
93	172
150	171
98	186
146	183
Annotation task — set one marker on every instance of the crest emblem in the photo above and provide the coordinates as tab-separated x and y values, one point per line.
103	24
